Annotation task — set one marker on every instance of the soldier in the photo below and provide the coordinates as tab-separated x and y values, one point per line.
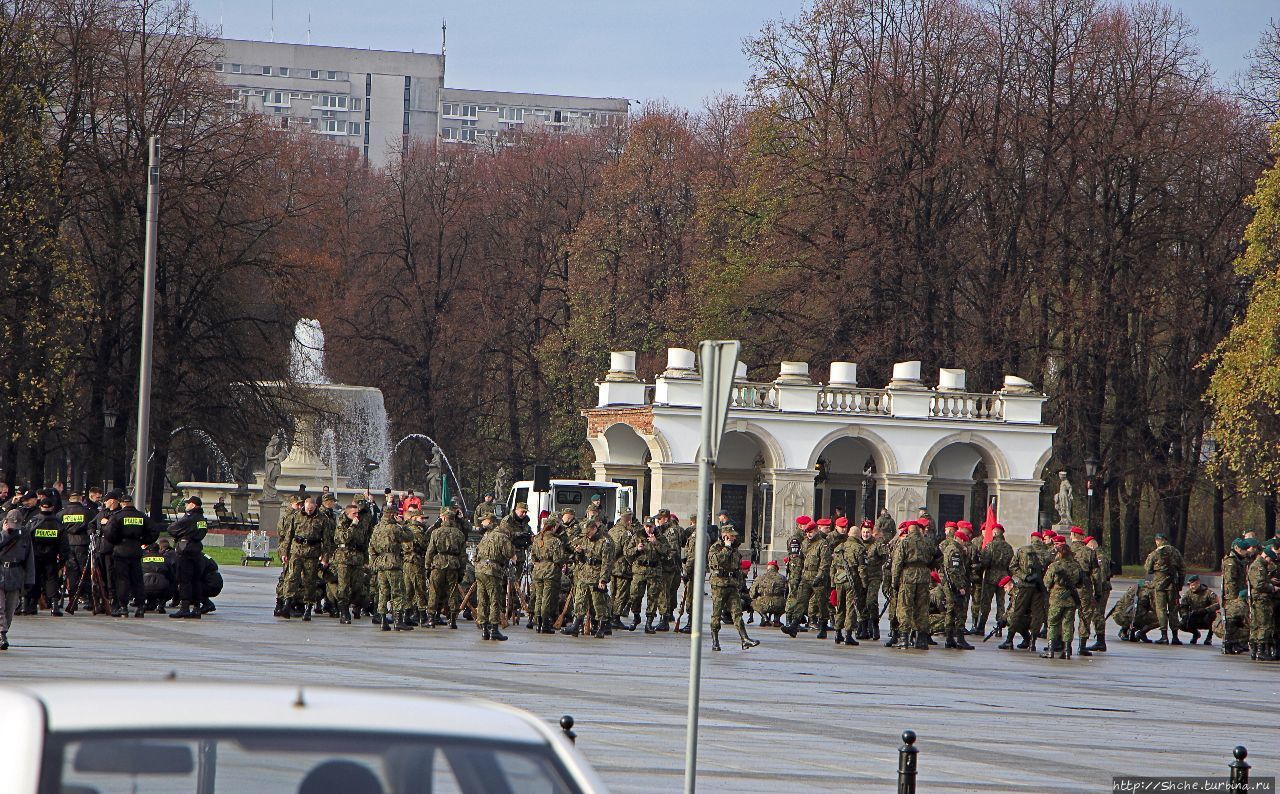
996	557
977	574
846	557
647	555
885	524
954	550
668	525
624	535
487	507
769	595
386	552
1164	567
129	531
1134	613
569	526
1262	597
1235	569
597	505
591	564
444	558
808	571
689	555
17	569
189	531
307	535
1065	581
492	556
896	635
76	522
284	535
348	558
1199	607
1101	594
793	556
917	555
1235	624
1088	562
937	604
724	564
549	557
1027	570
516	526
871	574
414	571
819	606
49	544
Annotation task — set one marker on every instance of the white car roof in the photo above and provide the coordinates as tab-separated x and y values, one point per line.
588	483
179	705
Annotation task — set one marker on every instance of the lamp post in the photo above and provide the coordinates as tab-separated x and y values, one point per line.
108	424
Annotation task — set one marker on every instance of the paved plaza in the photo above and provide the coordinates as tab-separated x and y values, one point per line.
796	715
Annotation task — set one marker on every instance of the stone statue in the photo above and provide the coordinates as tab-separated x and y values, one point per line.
1063	501
435	468
275	454
500	484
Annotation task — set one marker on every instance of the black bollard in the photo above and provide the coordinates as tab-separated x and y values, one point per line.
1239	771
908	758
566	725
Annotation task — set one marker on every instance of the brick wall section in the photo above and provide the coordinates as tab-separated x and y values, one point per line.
599	419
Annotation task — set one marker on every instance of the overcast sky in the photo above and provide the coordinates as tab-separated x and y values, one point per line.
681	50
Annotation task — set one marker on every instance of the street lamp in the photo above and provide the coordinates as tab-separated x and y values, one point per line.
109	418
1090	471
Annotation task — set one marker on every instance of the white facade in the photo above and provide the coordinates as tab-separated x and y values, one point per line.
793	447
471	116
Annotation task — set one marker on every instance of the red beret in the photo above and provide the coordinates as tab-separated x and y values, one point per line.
824	522
774	563
1077	531
1089	539
905	525
1059	540
923	521
675	517
965	525
1037	534
1004	581
949	524
961	535
804	521
935	577
544	514
998	526
746	565
787	560
842	522
868	524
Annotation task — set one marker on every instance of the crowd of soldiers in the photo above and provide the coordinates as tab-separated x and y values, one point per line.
99	549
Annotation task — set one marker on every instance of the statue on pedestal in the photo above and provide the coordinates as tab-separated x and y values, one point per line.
275	456
435	469
1063	500
500	484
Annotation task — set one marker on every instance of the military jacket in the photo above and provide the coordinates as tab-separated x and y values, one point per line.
724	564
1027	567
770	584
816	554
650	560
1164	568
484	509
1235	576
549	555
351	540
995	559
1065	581
493	553
386	546
1206	602
846	559
592	560
916	555
955	564
308	535
1087	559
624	540
672	536
1260	586
875	556
446	548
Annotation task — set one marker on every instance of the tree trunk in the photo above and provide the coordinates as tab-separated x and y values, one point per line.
1269	514
1219	534
1132	516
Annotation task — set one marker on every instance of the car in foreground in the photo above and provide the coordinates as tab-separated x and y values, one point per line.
207	738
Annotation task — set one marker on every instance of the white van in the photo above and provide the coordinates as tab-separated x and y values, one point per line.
574	494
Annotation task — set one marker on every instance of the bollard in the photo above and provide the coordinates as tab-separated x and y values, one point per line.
908	758
566	725
1239	782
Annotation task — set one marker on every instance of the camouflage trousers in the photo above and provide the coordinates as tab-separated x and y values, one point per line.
846	611
1088	615
1262	619
954	608
913	605
1166	615
621	603
546	598
491	598
653	585
672	591
726	598
869	606
1100	612
1062	618
586	596
442	590
819	607
1022	612
351	587
390	588
302	580
798	602
983	595
415	585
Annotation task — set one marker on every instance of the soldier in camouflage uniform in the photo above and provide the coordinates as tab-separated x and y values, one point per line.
307	535
1235	568
1065	581
550	554
846	555
487	507
955	584
591	564
444	558
493	555
1101	594
348	559
646	556
724	564
871	574
1027	570
808	572
1165	571
1134	614
386	551
624	535
819	607
414	572
1199	607
769	595
284	528
1087	559
995	559
1233	624
1263	589
916	556
668	526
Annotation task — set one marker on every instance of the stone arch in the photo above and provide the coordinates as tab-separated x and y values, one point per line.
886	460
1000	465
1037	472
770	449
620	443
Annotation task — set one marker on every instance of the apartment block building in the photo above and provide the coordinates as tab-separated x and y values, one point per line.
470	116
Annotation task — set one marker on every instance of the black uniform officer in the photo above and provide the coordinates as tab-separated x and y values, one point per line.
157	579
210	583
189	531
48	543
128	531
76	520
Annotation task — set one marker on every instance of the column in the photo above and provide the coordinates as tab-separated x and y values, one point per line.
792	497
675	487
611	472
1018	508
904	494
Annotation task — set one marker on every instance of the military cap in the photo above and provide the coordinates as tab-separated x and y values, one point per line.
961	535
1004	581
1161	536
595	497
648	522
1240	543
75	495
868	524
1272	554
663	512
30	495
190	500
329	497
46	501
997	528
1090	539
745	565
810	528
1037	534
729	529
824	522
949	525
626	511
113	494
723	513
842	522
786	560
521	506
488	493
1077	531
964	524
127	498
675	517
804	520
1193	578
772	564
923	507
1252	543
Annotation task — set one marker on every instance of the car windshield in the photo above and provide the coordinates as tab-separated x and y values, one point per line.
307	762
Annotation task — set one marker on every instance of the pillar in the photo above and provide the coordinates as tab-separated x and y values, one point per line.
1018	508
792	491
904	494
611	472
675	487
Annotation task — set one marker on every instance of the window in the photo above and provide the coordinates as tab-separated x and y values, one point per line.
468	134
331	75
557	117
284	71
315	74
447	109
333	126
447	133
353	128
470	123
469	111
266	70
279	98
218	66
236	68
511	114
334	101
355	103
489	108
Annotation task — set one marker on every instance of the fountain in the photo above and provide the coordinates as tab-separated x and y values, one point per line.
456	482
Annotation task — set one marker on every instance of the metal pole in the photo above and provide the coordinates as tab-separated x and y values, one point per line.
908	763
143	452
1239	780
695	581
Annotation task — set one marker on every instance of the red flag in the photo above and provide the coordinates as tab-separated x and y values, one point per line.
989	526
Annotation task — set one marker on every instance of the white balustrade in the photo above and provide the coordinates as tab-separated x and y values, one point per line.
977	407
854	401
760	396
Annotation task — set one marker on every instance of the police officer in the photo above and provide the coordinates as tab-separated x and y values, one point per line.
49	544
17	570
128	531
76	521
189	532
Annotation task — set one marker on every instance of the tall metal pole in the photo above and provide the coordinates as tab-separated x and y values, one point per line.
143	453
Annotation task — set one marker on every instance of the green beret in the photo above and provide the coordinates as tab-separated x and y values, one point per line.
1272	554
1142	583
1252	543
1193	578
1239	543
1161	536
1243	594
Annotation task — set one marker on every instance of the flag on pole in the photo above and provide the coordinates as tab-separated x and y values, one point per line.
989	526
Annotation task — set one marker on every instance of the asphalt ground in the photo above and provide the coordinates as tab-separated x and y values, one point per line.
796	715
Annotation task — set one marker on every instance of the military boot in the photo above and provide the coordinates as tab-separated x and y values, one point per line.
306	614
4	640
1208	638
922	641
410	617
405	623
1064	650
282	609
648	626
484	631
789	628
1099	644
635	622
849	640
715	640
184	610
822	631
1081	650
893	639
1026	640
1195	636
928	637
429	621
453	620
140	612
599	632
573	629
1175	640
1268	652
1164	638
1007	645
747	642
57	608
980	630
950	640
1051	652
875	629
385	620
1142	636
345	617
375	618
664	625
839	637
495	634
962	643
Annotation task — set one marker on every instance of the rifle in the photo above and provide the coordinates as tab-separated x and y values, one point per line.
684	602
1000	624
568	601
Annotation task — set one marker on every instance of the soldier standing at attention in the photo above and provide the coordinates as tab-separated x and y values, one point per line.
492	555
386	550
1101	594
1064	580
646	556
590	571
1027	570
724	564
846	556
918	554
549	557
444	559
871	573
1164	568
